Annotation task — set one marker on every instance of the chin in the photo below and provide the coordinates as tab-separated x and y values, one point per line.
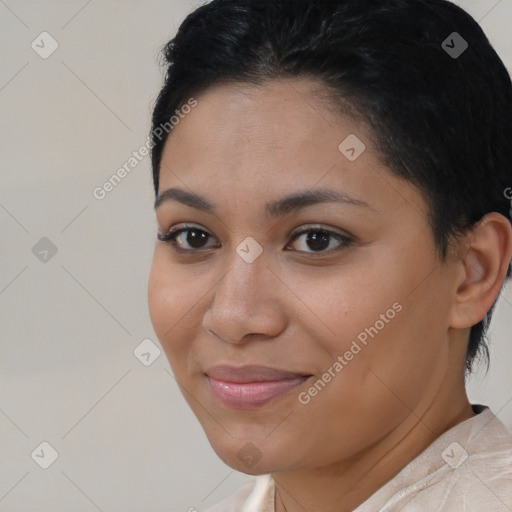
250	456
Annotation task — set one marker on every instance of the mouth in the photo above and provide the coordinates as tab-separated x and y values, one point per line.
250	387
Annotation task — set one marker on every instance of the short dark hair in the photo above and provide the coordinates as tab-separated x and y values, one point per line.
439	120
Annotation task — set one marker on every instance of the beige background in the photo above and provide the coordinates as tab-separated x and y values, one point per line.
126	439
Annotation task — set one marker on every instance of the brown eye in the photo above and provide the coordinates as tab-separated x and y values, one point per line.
320	240
188	238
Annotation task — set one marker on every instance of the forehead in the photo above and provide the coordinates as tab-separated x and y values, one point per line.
274	126
271	139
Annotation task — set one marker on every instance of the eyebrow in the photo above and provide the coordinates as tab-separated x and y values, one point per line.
278	208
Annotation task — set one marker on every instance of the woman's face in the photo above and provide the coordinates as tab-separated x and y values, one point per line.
331	314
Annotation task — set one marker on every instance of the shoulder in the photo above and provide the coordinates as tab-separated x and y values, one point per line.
469	467
477	469
485	469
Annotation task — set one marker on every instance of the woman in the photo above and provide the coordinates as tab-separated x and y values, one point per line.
334	230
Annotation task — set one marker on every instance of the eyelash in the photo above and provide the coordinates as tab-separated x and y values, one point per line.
170	238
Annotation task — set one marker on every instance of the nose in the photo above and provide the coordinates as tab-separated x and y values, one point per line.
246	304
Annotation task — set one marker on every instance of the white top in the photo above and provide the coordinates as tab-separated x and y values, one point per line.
466	469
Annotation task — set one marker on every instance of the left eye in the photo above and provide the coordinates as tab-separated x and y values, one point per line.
319	240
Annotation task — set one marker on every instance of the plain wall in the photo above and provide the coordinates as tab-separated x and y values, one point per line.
125	437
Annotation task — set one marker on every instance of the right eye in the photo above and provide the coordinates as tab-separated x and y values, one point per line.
179	237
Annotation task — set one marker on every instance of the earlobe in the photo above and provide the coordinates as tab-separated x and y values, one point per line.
484	267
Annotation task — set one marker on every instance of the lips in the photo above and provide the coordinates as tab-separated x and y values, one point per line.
249	387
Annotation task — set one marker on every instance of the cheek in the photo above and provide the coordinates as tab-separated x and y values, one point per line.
173	306
159	297
388	324
347	304
395	353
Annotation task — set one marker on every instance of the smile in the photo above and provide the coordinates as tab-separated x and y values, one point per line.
249	387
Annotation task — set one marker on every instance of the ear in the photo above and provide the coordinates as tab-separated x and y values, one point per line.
483	268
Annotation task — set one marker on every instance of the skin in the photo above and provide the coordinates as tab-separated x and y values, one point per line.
298	310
